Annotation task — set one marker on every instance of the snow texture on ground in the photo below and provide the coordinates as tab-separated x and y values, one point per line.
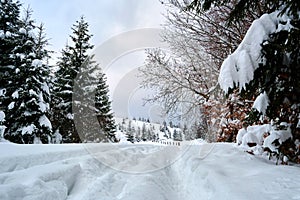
201	171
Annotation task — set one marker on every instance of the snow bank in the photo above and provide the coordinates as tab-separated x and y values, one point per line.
238	69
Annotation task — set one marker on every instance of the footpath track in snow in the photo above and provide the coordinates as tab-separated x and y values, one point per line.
142	171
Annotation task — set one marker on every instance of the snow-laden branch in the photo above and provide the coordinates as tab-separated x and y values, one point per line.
238	69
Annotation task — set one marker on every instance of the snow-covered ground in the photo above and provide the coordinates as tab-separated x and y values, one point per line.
142	171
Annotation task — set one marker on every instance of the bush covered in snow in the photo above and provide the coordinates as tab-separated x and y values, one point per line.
274	140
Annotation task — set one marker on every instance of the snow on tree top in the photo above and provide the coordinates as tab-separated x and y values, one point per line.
238	68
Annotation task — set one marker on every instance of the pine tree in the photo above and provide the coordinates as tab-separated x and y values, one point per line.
41	44
69	65
103	112
89	106
130	132
176	135
61	112
28	95
9	27
144	133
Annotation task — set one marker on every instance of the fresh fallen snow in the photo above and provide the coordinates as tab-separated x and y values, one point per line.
200	171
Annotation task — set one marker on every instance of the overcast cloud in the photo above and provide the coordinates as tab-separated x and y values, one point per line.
106	17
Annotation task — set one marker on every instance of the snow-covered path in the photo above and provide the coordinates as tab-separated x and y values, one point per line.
206	171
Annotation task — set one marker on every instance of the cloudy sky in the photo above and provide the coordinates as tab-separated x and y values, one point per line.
107	19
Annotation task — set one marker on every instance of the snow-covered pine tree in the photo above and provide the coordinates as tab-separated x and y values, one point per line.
29	96
93	116
91	98
61	102
138	135
69	65
177	135
130	132
279	75
144	132
9	27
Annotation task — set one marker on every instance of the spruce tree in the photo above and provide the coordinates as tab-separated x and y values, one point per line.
93	115
28	93
69	65
9	27
103	110
77	115
61	112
